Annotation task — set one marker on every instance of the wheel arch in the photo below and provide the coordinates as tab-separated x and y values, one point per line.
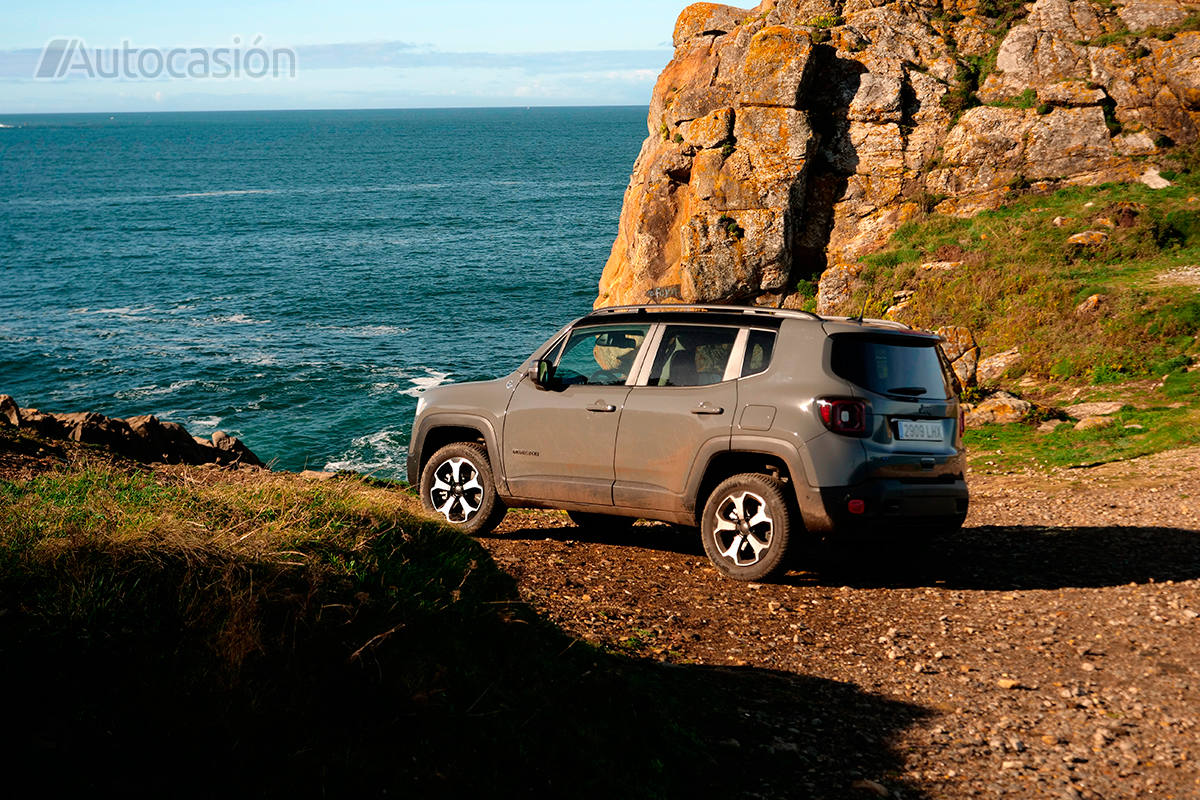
446	429
769	457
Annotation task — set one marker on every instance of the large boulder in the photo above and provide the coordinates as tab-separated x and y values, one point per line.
1001	408
958	343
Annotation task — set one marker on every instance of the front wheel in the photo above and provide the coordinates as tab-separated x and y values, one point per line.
457	484
745	526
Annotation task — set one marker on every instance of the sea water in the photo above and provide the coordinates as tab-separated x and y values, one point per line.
297	279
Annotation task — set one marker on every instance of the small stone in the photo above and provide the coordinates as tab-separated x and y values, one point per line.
1049	425
1090	307
1008	683
1058	222
1088	666
1092	423
1088	239
874	787
10	414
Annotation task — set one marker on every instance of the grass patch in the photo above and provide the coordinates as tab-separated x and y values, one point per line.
1007	447
1020	281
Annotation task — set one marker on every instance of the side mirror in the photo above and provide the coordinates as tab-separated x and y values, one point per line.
542	374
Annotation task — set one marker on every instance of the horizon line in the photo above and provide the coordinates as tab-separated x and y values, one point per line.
529	106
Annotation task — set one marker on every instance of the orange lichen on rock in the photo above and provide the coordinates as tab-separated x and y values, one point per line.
802	133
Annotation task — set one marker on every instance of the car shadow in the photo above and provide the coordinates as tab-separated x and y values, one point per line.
994	557
653	536
985	557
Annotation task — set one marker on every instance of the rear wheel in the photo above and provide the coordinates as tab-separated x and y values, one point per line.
457	485
745	526
592	521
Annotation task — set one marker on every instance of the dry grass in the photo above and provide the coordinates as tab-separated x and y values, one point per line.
308	637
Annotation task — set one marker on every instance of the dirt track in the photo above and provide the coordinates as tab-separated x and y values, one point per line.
1052	649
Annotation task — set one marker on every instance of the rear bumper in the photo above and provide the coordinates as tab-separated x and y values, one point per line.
887	503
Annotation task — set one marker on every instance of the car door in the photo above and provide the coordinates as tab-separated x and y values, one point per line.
559	442
680	409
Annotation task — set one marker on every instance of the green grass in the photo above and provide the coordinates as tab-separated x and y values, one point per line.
1009	447
1020	281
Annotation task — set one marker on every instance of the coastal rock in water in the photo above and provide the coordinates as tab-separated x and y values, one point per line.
142	438
234	447
10	414
795	137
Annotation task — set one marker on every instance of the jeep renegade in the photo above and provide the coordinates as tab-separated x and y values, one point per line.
753	425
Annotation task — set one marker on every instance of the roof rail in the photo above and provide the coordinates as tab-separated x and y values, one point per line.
747	310
887	323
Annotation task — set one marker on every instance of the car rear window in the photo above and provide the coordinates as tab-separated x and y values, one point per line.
759	346
901	366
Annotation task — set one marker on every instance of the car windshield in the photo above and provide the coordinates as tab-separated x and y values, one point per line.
905	366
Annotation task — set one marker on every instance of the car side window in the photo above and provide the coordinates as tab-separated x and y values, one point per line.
692	355
759	347
600	356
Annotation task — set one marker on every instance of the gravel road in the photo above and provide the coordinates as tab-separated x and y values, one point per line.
1051	649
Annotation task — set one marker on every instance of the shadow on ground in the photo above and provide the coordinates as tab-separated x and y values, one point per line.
656	536
1021	557
152	673
986	557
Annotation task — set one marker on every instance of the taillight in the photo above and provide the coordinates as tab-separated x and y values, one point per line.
848	417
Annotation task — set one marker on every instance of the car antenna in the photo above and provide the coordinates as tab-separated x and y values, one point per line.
862	313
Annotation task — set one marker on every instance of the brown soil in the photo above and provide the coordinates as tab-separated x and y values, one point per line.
1051	649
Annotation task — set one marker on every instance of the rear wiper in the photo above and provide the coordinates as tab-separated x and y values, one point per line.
909	390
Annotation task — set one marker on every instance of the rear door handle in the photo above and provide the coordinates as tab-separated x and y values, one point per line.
602	408
705	408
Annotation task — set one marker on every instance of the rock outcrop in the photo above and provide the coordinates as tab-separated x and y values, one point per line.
797	136
145	438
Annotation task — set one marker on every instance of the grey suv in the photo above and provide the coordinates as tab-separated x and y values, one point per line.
754	425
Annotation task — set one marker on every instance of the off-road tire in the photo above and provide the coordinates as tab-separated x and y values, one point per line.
463	466
754	550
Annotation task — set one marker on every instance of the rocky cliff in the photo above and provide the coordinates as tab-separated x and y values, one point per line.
788	140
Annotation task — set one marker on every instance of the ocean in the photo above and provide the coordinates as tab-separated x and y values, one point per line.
296	279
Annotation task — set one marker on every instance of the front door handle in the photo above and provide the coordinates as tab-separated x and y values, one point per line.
706	408
601	407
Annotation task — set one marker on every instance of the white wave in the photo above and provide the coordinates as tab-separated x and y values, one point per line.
226	193
426	382
154	390
2	125
381	453
203	425
235	319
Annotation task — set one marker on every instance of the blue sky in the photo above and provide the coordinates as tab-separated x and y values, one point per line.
348	54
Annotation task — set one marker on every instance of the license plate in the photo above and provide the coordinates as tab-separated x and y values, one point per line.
916	431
